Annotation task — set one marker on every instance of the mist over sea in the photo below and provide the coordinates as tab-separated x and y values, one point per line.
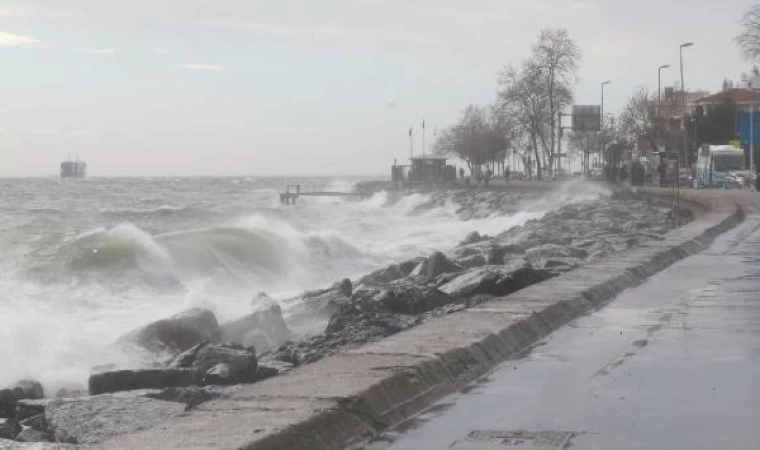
84	261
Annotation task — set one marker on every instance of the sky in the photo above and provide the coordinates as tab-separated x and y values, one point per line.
305	87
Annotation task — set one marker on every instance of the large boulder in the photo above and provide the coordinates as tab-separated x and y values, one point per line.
130	380
413	300
30	408
471	261
226	364
220	363
473	238
24	389
382	276
435	265
32	435
94	419
9	429
31	389
495	280
7	403
177	333
264	330
540	254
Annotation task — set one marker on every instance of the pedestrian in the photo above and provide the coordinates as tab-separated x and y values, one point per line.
487	177
461	173
662	170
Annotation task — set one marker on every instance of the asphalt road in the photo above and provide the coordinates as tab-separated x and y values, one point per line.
671	364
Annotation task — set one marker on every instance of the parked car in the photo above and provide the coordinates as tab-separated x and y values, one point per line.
685	177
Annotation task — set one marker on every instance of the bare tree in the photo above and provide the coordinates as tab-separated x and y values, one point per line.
523	97
478	138
556	56
749	38
638	118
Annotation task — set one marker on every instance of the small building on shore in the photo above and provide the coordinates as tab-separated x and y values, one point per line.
424	169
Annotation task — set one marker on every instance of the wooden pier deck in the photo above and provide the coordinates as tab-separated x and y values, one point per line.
294	191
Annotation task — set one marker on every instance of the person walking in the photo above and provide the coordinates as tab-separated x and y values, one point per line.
461	173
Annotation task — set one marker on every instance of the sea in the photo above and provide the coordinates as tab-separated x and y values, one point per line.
84	261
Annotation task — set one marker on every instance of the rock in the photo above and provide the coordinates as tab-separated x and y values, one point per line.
501	254
7	403
191	396
32	435
177	333
495	280
407	267
9	429
382	276
240	362
346	287
30	408
186	358
94	419
472	261
130	380
435	265
264	330
37	422
473	238
414	300
560	265
31	389
261	299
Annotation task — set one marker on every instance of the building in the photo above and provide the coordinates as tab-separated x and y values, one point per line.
742	98
73	169
426	169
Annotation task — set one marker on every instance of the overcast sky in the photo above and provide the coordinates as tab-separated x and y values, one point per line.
249	87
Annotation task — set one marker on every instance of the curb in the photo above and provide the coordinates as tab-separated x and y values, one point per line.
345	399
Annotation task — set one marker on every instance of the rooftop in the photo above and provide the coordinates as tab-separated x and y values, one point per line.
738	96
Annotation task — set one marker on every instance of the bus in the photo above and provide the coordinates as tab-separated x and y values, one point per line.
715	162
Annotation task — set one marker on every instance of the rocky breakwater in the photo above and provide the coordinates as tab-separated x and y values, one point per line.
481	267
192	363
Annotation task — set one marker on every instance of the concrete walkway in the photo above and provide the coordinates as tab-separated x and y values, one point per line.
671	364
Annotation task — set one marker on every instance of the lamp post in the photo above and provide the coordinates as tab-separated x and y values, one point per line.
659	101
601	122
683	104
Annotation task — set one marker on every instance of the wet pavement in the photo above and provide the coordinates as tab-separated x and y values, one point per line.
671	364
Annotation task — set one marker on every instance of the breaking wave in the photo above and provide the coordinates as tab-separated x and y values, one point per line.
266	254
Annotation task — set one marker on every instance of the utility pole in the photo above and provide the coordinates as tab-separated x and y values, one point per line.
659	103
683	104
752	138
601	124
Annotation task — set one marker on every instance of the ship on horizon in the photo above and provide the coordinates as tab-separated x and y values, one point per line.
73	168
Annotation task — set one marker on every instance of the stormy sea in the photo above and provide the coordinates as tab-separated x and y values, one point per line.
83	262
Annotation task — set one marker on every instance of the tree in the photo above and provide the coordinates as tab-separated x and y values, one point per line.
638	117
478	138
556	56
749	38
523	98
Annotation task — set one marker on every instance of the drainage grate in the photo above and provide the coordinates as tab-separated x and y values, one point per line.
514	440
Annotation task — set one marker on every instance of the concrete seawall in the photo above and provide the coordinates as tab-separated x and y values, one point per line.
350	397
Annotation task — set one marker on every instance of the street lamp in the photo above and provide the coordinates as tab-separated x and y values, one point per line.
604	83
683	104
601	124
659	95
659	85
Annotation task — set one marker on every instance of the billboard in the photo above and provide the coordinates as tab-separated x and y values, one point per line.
587	118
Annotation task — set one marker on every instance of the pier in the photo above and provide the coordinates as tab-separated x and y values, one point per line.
294	191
